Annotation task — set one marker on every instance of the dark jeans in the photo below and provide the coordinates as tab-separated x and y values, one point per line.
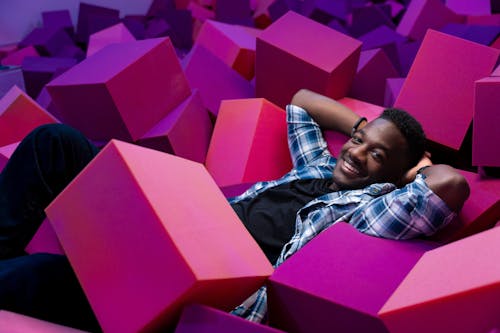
42	285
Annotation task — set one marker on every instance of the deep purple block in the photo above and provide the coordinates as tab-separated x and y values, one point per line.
234	11
365	19
214	79
380	37
156	27
93	18
47	41
280	7
396	7
185	132
235	190
10	76
467	7
482	34
405	54
339	281
135	24
38	71
181	23
160	7
392	88
45	101
203	319
58	19
323	10
369	82
335	24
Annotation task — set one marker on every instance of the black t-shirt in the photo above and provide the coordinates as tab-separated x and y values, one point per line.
270	216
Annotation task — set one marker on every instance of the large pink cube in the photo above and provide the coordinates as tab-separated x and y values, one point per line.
439	88
339	281
249	143
453	288
486	116
203	319
19	115
184	132
117	33
11	322
122	91
142	230
296	52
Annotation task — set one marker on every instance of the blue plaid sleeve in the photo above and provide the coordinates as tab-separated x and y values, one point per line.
305	139
408	212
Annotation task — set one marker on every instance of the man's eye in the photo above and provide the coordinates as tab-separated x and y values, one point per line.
377	156
356	140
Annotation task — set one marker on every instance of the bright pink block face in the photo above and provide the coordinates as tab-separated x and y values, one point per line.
203	319
339	281
142	230
115	34
121	91
453	288
326	65
249	143
440	95
16	58
485	134
11	322
19	114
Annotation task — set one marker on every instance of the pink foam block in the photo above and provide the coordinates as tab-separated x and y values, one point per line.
117	33
121	91
423	15
215	80
478	7
285	52
392	88
184	132
19	114
453	288
369	83
16	58
335	140
249	143
480	212
16	323
142	230
445	107
203	319
6	153
44	241
339	281
235	45
486	98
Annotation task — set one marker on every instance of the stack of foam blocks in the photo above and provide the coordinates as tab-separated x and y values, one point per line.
187	102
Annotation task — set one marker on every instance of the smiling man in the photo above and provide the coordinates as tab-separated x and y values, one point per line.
382	183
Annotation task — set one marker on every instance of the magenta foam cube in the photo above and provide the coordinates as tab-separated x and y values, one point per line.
140	250
445	107
484	132
453	288
115	34
47	41
15	58
374	69
19	115
249	143
465	7
12	322
326	66
6	153
44	241
92	18
335	140
344	294
10	76
185	132
121	91
203	319
215	80
233	44
425	14
480	212
392	88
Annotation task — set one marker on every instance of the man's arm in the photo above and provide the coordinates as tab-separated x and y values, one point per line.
328	113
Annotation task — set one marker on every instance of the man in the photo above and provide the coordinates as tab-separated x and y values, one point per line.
373	185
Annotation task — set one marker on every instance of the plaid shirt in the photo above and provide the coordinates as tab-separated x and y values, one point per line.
380	210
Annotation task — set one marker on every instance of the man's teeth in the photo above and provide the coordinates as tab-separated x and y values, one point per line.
351	168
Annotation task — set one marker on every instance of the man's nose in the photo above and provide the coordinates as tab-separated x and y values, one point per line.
358	154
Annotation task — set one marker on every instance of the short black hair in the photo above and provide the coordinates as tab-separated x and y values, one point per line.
411	129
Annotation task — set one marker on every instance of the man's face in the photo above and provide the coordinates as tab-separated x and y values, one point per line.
377	153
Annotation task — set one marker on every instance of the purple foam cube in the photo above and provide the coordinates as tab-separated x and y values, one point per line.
181	25
365	19
467	7
369	82
234	12
321	10
15	58
58	19
135	24
405	54
215	80
280	7
93	18
204	319
156	27
9	77
482	34
380	37
47	41
185	132
339	281
160	7
392	88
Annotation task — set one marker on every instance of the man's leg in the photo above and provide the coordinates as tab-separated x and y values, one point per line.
42	165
